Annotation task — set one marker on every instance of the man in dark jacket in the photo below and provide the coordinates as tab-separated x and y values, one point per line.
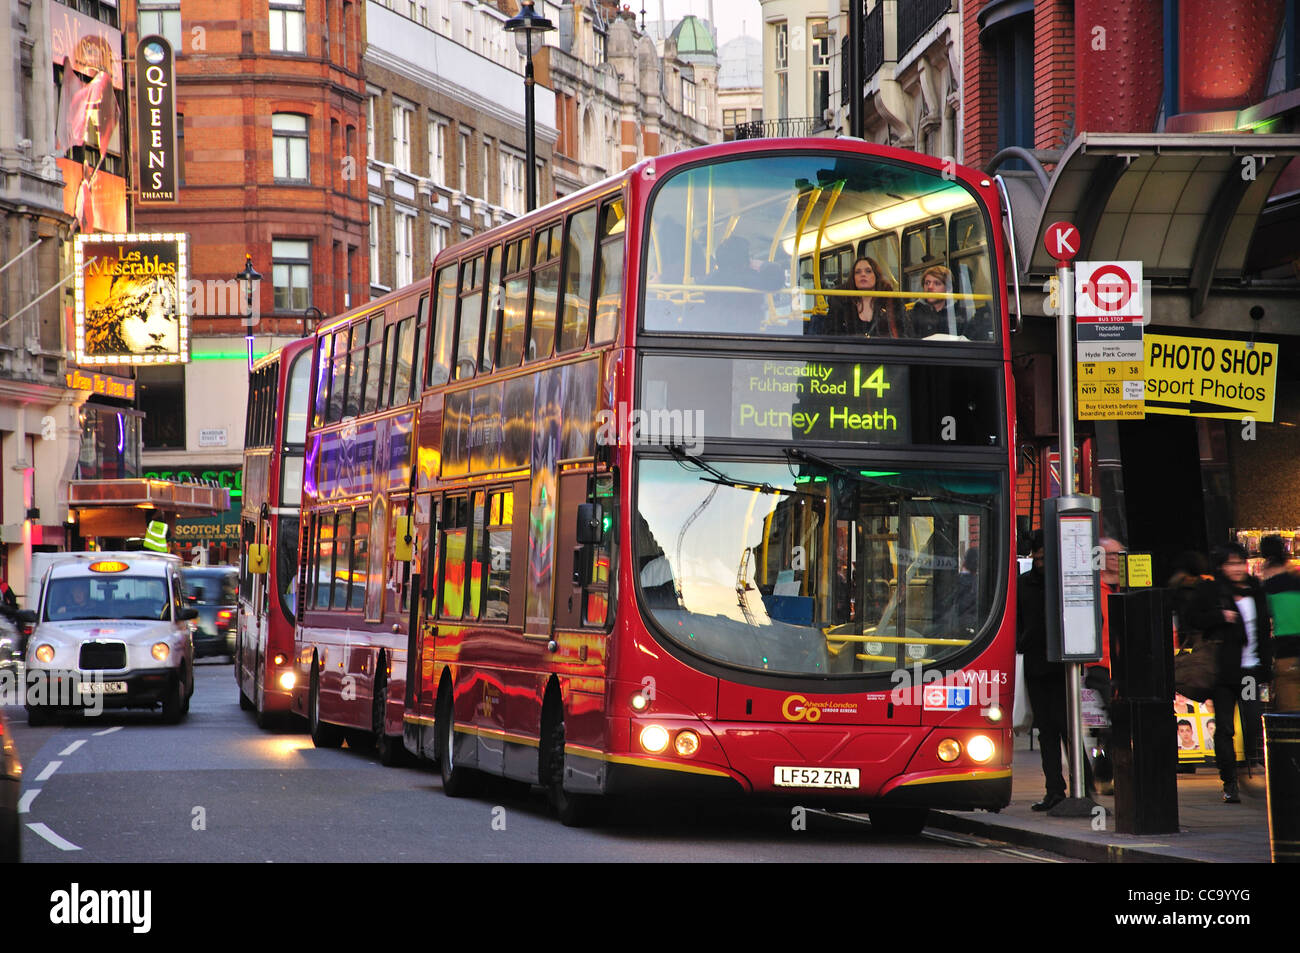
1044	680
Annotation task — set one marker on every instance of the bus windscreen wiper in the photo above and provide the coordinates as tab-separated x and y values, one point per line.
717	476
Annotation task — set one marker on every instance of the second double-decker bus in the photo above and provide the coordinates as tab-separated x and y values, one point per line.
275	429
350	653
700	506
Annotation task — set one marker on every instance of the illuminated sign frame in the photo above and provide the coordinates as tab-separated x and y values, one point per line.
155	93
181	355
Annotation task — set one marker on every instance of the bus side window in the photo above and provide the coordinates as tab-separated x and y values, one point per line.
471	319
323	376
492	318
419	347
342	560
609	276
444	326
339	375
374	364
325	561
360	574
546	294
579	253
500	538
514	306
454	530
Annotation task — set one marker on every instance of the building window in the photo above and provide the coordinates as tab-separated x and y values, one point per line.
370	126
403	248
781	61
439	236
180	148
403	114
438	151
161	18
819	68
487	164
512	181
162	398
291	273
289	147
688	97
1013	52
375	211
462	162
288	26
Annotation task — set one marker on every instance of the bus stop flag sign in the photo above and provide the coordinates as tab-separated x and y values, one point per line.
1108	340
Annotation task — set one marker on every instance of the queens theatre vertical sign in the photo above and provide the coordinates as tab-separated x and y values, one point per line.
155	98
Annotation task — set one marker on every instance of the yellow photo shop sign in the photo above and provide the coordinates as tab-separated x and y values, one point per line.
1203	377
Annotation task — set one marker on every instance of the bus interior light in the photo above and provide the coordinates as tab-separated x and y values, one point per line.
949	749
981	748
654	738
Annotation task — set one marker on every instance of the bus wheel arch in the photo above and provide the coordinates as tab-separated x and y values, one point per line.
458	780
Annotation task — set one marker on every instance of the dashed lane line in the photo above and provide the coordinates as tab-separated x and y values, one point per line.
73	747
25	802
108	731
53	838
49	771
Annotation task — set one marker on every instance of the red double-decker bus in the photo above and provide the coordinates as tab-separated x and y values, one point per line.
350	650
699	504
275	426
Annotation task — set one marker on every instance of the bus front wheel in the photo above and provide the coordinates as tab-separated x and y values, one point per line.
323	734
573	810
457	779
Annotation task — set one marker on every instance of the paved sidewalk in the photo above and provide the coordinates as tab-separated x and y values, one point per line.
1209	830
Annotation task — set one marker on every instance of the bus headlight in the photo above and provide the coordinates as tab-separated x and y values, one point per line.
981	748
654	738
278	659
45	653
994	713
287	681
161	650
949	749
687	743
639	702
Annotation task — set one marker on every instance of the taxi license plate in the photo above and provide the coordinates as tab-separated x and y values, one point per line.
791	777
102	688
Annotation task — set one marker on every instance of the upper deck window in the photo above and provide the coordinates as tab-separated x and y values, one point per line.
808	245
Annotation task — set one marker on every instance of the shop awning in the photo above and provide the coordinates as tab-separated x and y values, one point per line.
125	507
1186	206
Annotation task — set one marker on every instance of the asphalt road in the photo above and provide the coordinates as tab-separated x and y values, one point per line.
124	788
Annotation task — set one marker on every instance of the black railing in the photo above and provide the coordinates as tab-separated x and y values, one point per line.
915	17
873	42
780	128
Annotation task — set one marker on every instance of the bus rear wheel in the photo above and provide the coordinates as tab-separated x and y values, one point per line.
323	734
263	717
457	780
389	747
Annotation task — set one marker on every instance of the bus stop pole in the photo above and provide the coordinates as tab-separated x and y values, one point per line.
1065	409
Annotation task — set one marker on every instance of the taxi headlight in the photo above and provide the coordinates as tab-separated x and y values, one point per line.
981	748
949	749
45	653
654	738
161	650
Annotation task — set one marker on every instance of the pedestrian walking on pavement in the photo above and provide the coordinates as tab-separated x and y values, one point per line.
1282	586
1230	612
1044	680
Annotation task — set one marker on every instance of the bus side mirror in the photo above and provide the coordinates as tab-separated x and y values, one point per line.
591	519
402	548
259	559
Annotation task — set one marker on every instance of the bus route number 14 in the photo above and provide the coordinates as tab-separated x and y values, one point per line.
876	381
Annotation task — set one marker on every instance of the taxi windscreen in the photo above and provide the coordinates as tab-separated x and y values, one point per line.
119	597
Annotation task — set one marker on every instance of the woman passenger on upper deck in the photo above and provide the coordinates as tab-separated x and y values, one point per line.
865	315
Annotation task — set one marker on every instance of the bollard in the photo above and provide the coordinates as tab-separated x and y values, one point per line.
1282	771
1144	747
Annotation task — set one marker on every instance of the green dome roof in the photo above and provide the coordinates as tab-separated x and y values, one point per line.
693	37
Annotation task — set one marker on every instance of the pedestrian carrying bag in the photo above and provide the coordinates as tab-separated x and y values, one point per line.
1195	671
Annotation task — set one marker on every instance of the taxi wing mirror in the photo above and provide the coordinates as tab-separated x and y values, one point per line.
189	612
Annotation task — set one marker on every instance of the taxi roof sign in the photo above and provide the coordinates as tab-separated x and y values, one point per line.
108	565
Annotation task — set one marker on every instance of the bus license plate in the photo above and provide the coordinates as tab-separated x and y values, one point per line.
103	688
790	777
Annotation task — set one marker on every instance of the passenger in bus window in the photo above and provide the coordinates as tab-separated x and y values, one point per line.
933	315
866	316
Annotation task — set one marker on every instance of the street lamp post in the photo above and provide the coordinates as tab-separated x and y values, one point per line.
529	29
311	312
248	279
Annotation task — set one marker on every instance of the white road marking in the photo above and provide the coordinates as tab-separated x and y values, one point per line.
25	802
108	731
73	747
49	770
52	837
